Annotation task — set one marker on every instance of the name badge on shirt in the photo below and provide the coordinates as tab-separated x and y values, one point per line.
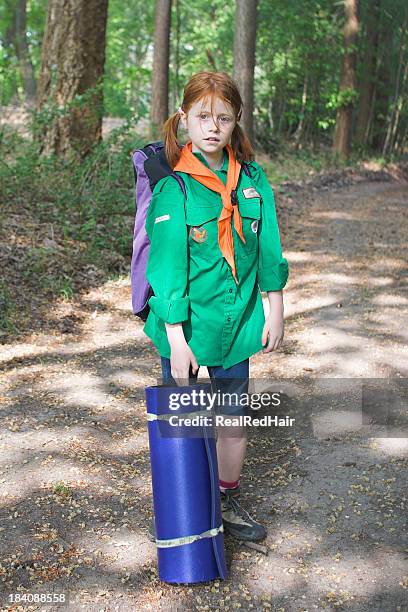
250	192
162	218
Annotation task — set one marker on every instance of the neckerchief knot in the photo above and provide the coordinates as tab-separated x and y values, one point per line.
191	165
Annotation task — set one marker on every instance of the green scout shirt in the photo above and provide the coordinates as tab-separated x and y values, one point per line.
191	280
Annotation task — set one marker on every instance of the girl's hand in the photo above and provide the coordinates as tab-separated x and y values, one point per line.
181	357
273	331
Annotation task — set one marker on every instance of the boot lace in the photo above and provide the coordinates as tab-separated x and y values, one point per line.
239	510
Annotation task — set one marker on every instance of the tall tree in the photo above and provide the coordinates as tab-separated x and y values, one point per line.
22	51
401	77
383	82
16	37
161	58
342	133
72	66
244	59
368	74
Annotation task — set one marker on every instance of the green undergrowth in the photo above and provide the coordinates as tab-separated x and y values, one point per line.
64	225
303	164
88	201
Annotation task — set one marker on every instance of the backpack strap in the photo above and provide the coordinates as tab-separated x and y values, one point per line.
157	167
246	168
181	182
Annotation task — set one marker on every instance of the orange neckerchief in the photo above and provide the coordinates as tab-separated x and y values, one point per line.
191	165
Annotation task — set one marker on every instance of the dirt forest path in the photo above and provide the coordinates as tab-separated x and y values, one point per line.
74	474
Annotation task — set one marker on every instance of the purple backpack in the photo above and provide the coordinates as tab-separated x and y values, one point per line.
150	166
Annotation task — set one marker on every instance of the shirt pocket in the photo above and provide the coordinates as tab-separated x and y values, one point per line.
250	212
202	226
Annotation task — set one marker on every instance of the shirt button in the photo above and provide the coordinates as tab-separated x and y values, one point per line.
230	290
229	319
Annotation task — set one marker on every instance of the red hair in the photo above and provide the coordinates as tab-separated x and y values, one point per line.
214	85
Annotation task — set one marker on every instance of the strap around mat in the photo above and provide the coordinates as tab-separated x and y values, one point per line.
189	539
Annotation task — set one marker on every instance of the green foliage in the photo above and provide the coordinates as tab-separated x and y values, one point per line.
292	56
205	42
129	58
7	309
89	204
10	78
62	489
299	49
11	86
343	98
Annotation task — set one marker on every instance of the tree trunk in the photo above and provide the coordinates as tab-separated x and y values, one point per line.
393	115
383	84
72	66
342	134
161	58
281	88
299	130
368	73
394	141
22	51
176	91
16	38
10	33
403	144
370	121
244	59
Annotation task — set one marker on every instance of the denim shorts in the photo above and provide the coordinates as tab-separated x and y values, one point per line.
231	385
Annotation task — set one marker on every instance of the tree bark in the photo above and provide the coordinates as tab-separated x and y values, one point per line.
161	58
22	51
299	130
383	85
16	38
398	112
342	134
281	105
244	59
367	84
393	115
72	65
176	92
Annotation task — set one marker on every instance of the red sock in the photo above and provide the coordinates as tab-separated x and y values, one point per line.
228	485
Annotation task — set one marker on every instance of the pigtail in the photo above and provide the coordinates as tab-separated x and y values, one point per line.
171	146
241	145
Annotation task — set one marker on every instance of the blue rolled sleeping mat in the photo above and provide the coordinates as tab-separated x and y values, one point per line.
186	497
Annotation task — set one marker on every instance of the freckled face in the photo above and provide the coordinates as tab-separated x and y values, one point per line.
209	134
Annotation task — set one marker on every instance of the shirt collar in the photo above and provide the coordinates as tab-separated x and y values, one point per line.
224	167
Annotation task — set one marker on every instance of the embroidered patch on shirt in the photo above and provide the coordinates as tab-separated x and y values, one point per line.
162	218
199	234
250	192
254	226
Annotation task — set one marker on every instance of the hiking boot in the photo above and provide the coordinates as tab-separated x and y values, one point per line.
237	521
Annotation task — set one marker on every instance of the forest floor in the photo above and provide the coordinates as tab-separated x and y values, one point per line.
75	476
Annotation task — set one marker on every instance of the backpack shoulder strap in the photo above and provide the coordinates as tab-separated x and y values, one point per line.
157	167
246	168
181	182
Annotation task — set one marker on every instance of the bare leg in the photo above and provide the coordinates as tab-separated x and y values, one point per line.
232	440
231	454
